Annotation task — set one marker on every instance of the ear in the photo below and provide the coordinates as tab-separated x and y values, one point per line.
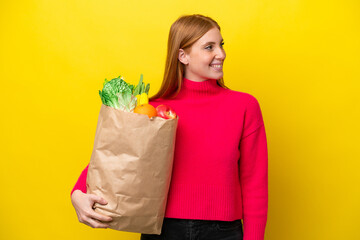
182	57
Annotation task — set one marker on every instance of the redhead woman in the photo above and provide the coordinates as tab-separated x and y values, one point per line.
219	184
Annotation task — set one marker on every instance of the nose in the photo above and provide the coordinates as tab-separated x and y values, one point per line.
220	54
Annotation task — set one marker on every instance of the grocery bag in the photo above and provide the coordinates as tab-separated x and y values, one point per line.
131	167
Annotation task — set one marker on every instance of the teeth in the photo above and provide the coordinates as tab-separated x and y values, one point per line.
217	66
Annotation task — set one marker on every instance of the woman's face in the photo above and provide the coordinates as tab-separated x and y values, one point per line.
204	60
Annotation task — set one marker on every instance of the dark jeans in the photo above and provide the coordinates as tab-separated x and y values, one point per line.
187	229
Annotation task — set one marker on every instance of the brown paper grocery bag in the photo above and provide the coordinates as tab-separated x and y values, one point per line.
131	167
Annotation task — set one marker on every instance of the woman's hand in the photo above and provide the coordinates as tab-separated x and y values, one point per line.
83	204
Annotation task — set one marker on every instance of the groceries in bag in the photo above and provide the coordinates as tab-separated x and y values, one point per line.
132	159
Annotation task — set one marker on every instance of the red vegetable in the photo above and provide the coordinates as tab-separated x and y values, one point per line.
165	112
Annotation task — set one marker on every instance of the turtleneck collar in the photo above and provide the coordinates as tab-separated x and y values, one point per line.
195	89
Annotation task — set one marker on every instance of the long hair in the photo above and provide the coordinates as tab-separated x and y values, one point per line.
184	32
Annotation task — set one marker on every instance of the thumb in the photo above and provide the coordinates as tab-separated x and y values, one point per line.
99	199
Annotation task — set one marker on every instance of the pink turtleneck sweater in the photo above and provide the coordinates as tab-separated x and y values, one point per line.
220	169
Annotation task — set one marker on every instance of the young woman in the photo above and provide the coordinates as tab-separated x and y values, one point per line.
220	171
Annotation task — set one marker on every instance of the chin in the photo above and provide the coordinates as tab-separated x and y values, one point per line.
214	76
217	77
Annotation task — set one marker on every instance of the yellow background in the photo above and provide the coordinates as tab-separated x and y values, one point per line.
300	59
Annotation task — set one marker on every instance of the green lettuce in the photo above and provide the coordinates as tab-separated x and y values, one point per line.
118	94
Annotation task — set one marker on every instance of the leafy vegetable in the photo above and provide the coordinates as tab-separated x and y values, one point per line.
120	95
140	88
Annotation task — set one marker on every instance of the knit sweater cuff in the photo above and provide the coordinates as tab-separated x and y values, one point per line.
81	182
254	228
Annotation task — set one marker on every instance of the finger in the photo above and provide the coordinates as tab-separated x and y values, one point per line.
100	217
96	224
98	199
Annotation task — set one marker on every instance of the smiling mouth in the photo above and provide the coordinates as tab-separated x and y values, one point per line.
216	66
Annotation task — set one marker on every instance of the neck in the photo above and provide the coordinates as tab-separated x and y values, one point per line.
193	89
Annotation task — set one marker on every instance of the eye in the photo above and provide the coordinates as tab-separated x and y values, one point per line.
210	46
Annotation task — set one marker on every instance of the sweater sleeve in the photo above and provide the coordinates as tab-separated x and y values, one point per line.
81	182
254	173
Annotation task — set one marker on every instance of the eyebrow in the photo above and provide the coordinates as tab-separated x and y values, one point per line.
212	42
